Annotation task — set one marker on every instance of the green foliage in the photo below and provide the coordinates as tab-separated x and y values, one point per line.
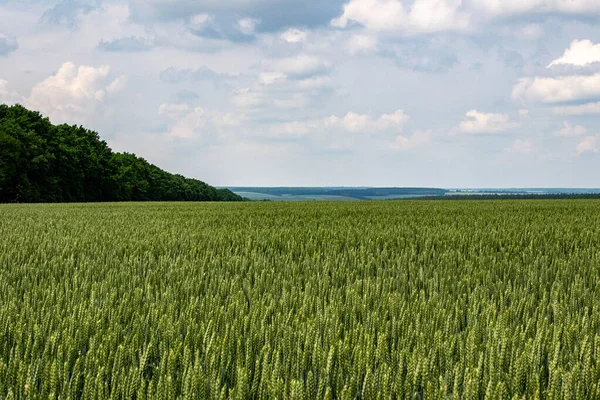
40	162
373	300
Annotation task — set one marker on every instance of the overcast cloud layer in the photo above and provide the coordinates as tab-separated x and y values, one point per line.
445	93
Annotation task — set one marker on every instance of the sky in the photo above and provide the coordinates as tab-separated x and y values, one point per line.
437	93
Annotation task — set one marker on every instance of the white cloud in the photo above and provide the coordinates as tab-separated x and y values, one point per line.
247	25
198	21
390	15
397	118
569	130
285	84
530	32
523	113
300	66
297	100
522	147
351	122
8	96
580	109
8	44
189	122
436	15
513	7
269	78
558	90
373	14
117	85
294	35
315	83
127	44
73	94
417	139
580	53
173	111
477	122
361	44
588	144
566	88
194	122
246	97
426	16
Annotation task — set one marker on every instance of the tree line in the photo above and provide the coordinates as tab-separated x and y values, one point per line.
42	162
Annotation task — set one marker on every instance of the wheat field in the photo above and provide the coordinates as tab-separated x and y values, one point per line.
316	300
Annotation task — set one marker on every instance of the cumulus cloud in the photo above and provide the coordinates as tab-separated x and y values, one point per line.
273	14
577	81
521	146
221	27
185	96
298	67
8	44
198	21
68	12
351	122
569	130
246	97
580	109
528	32
477	123
511	58
117	85
288	83
126	44
247	25
189	122
8	96
74	93
495	8
269	78
431	55
588	144
427	16
315	83
361	44
295	100
561	89
294	35
417	139
203	73
194	122
423	16
580	53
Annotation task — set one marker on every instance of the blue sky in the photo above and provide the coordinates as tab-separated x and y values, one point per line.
446	93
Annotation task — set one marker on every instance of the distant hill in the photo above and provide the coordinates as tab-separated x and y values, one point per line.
42	162
407	193
333	193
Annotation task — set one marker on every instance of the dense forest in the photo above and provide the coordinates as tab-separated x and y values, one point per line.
42	162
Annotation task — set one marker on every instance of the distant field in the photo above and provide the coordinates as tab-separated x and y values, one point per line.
367	193
328	300
333	193
271	197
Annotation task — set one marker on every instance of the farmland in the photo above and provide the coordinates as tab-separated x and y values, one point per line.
348	300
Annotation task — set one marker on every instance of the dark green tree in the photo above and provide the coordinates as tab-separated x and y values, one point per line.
41	162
